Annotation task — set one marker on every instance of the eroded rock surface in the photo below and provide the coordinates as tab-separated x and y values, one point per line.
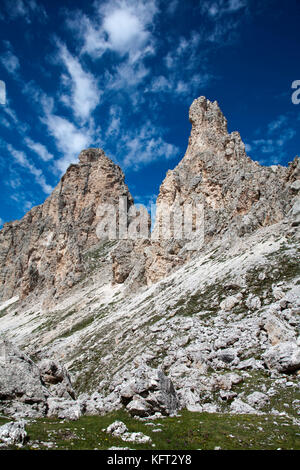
157	325
44	251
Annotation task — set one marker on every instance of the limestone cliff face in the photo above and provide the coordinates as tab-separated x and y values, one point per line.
235	190
44	250
238	194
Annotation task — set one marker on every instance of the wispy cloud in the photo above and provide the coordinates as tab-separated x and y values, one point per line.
279	132
144	145
277	124
24	9
222	19
9	60
20	158
185	69
220	8
13	120
39	149
82	93
123	30
114	126
68	138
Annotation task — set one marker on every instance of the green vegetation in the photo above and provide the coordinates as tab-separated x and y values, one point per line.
186	431
78	326
94	256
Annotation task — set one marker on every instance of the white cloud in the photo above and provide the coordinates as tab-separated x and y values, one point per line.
221	22
69	139
161	84
177	87
219	8
277	124
114	126
186	71
19	126
121	26
23	161
172	6
14	182
4	122
9	60
125	30
264	145
83	93
139	147
36	94
39	149
279	133
285	136
127	76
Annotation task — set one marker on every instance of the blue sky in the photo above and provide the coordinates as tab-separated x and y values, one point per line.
121	75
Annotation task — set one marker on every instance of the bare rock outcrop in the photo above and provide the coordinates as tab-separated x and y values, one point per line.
148	391
237	196
44	250
26	389
13	433
20	378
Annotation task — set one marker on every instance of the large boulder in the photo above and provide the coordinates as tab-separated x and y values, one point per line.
56	378
28	390
119	429
240	407
284	357
148	391
13	433
20	378
64	409
277	331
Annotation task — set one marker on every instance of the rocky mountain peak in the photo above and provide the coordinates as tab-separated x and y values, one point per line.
91	155
238	194
155	324
45	249
206	113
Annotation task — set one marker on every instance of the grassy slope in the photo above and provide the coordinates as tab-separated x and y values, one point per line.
187	431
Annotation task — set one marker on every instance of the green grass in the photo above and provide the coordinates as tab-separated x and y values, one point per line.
78	326
98	254
187	431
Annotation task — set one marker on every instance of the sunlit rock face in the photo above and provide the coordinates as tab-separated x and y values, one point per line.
238	195
208	323
44	250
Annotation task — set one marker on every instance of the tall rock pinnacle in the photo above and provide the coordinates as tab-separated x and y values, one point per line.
238	195
235	190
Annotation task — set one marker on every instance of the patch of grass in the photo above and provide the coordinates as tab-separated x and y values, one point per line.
207	299
97	254
77	327
186	431
3	420
4	311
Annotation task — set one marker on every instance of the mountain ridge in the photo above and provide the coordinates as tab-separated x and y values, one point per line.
210	324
